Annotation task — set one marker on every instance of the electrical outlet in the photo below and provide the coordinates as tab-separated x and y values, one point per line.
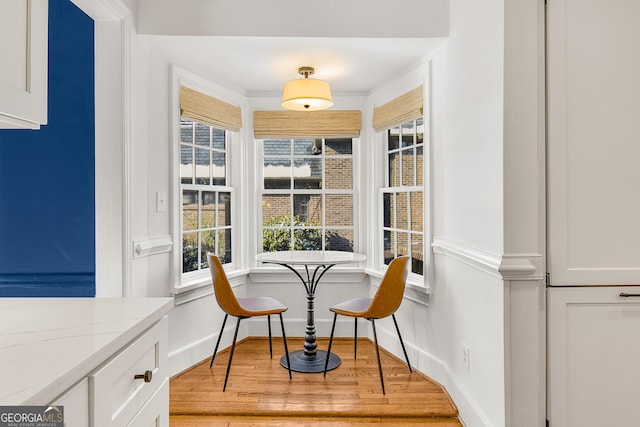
465	356
161	201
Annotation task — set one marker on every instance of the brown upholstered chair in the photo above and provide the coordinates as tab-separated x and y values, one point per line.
384	303
242	308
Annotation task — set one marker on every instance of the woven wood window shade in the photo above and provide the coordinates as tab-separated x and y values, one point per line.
401	110
290	124
201	108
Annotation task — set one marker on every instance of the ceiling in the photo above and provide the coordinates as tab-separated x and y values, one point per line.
259	66
255	46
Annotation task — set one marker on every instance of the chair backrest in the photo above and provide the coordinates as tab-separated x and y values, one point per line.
222	288
389	295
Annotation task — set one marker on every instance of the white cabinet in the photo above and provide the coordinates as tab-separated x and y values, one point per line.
129	389
593	126
593	356
23	74
131	379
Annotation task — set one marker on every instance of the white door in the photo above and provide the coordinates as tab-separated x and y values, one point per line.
593	143
594	349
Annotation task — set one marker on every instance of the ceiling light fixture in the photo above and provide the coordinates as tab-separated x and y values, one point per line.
306	94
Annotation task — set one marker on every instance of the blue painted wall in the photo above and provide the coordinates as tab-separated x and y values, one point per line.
47	191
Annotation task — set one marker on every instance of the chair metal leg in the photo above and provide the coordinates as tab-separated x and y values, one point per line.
401	342
218	342
233	347
270	346
355	338
333	327
375	338
286	349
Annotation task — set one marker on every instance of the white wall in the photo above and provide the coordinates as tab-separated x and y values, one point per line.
467	147
473	138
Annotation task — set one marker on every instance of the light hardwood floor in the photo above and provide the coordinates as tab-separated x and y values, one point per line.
259	392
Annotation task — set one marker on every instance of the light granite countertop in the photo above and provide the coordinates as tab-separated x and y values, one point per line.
48	344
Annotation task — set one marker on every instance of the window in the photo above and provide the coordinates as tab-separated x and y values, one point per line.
206	198
307	194
403	196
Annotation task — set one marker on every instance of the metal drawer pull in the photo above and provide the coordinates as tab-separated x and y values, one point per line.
146	376
626	295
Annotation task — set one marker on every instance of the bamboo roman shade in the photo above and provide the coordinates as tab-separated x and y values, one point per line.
401	110
202	108
290	124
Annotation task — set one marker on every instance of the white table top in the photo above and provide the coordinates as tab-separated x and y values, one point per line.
311	257
47	344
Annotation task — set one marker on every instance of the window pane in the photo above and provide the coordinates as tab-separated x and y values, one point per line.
337	146
277	173
339	240
224	245
417	211
394	170
276	239
186	131
420	131
304	147
393	209
208	210
408	170
307	208
307	173
403	244
276	209
189	210
417	254
219	138
408	131
208	245
307	239
277	147
393	136
186	164
219	168
386	200
203	166
339	209
389	246
339	173
203	136
189	252
420	165
402	213
224	209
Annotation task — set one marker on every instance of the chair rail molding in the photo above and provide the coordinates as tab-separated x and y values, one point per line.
152	246
508	267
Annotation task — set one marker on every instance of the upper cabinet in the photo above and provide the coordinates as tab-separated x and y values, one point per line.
23	74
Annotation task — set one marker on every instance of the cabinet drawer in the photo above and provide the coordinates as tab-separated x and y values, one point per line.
156	412
117	394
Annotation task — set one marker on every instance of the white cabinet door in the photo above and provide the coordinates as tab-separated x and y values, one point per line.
593	142
23	74
594	349
76	405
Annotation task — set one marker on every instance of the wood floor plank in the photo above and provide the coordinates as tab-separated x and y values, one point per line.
259	392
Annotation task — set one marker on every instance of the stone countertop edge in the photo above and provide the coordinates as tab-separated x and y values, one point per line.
118	322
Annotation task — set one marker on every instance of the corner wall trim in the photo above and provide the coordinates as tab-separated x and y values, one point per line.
525	266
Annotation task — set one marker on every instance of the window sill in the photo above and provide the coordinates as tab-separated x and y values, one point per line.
201	286
415	291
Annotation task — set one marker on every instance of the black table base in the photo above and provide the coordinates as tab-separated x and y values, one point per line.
302	363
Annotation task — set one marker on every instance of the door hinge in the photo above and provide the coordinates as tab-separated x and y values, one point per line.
547	279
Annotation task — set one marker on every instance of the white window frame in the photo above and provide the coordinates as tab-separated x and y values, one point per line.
418	287
190	281
292	191
407	189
